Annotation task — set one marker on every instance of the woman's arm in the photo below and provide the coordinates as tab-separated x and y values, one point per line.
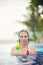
15	52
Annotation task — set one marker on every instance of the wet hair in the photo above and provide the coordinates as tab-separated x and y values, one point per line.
24	31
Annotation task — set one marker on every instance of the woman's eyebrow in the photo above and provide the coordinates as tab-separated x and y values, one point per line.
24	36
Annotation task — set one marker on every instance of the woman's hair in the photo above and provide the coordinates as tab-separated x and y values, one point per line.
24	31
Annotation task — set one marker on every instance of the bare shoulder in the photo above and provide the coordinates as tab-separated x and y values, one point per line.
32	50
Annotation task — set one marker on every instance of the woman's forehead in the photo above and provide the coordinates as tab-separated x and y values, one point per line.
23	33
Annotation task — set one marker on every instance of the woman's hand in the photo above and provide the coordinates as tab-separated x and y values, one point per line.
13	52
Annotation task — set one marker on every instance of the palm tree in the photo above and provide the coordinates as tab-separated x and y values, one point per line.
34	23
33	20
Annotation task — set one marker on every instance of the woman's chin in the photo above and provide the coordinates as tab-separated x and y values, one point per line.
24	43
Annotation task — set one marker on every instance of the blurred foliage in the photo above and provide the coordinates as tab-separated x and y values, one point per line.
36	2
34	23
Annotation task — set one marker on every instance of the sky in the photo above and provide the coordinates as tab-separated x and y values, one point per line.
10	11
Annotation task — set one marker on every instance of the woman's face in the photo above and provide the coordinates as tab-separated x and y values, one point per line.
23	37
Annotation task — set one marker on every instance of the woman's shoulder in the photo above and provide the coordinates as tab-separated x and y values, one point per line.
32	50
30	47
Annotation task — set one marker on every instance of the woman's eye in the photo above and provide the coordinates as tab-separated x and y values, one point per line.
23	36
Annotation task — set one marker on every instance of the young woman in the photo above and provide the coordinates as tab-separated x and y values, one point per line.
24	48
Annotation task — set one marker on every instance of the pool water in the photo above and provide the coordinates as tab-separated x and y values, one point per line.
39	54
7	59
39	47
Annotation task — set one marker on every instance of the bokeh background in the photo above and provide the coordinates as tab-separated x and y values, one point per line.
16	15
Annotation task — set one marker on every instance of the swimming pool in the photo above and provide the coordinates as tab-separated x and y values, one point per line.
7	59
39	54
